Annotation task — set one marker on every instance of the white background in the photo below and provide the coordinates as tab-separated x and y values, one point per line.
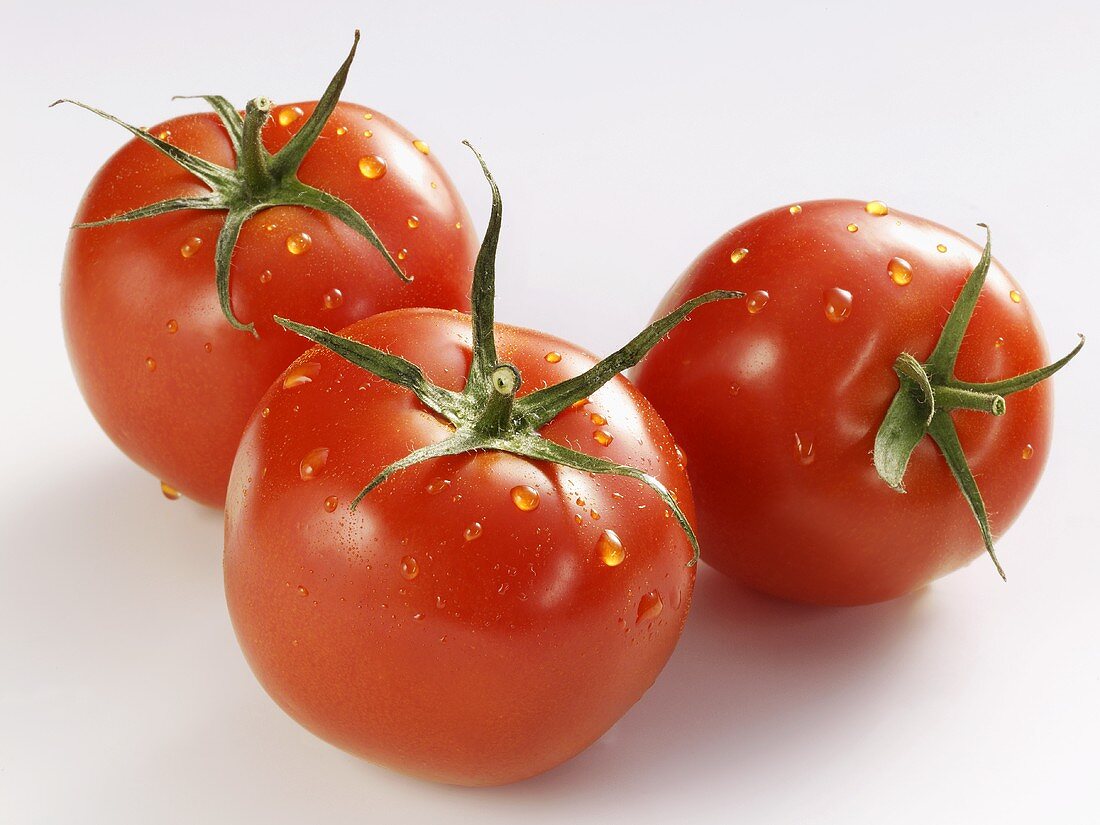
625	139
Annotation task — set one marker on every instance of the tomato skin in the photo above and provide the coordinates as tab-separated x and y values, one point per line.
176	402
505	654
736	388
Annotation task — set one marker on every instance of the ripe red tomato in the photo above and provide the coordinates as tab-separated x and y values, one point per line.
166	376
485	614
777	401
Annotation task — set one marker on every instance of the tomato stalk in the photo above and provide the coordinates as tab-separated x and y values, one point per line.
259	181
930	391
487	414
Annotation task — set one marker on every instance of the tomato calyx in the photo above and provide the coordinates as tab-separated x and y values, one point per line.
928	393
260	180
486	414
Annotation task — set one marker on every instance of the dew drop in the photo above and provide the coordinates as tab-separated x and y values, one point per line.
837	304
372	167
804	449
473	531
941	247
302	591
190	247
150	364
331	503
422	147
164	134
853	228
738	255
525	497
756	301
367	133
597	419
900	271
341	130
458	224
876	208
1027	452
576	405
650	606
172	326
603	437
169	492
410	569
265	276
795	210
313	464
437	485
552	357
298	243
368	116
332	299
681	456
208	347
413	221
289	114
1015	296
303	374
402	254
580	501
610	548
1000	342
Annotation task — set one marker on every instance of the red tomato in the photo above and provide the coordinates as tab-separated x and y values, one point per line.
478	618
777	401
164	373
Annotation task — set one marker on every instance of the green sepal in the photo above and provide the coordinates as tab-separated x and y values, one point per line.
487	415
259	180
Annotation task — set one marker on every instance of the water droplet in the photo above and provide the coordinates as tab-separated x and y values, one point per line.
170	492
313	465
804	448
332	299
289	114
1000	342
437	485
597	419
302	374
594	514
458	224
650	606
603	437
190	247
525	497
367	133
795	210
756	301
208	347
681	456
372	167
341	130
265	276
368	116
876	208
853	228
150	364
172	326
610	548
164	134
473	531
900	271
298	243
271	227
552	357
580	501
1027	452
302	591
738	255
413	221
576	405
503	588
418	616
402	254
837	303
422	147
1015	296
331	503
941	247
409	568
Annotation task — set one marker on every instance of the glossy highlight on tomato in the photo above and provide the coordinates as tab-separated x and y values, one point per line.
163	371
777	402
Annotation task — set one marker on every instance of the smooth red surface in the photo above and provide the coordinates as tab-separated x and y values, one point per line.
740	391
124	283
504	655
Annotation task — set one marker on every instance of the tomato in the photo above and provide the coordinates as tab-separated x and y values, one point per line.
777	402
165	373
485	613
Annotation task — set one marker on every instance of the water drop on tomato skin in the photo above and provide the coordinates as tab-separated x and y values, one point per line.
941	247
265	276
804	452
795	210
313	464
552	357
649	607
1015	296
738	255
150	364
756	301
172	326
473	532
525	497
603	437
341	131
331	503
1027	452
597	419
437	485
189	247
422	147
303	374
900	271
412	222
877	208
169	492
610	548
303	591
837	304
410	568
299	243
372	167
852	228
289	114
332	299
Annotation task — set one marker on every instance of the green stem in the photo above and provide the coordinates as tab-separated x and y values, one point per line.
495	419
253	161
955	398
